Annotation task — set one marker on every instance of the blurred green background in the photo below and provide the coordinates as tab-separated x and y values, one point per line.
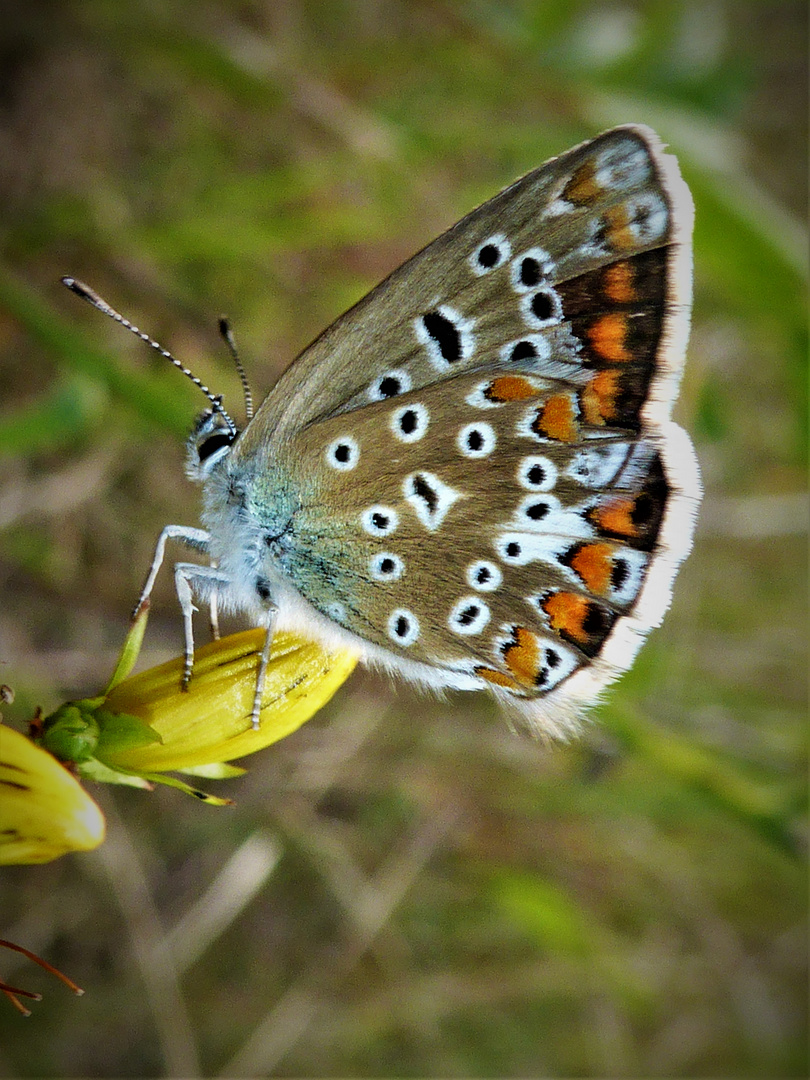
405	887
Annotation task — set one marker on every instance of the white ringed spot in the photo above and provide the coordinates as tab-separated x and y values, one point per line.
386	566
532	268
447	336
536	510
379	520
343	453
336	611
514	549
542	307
430	497
490	255
410	422
476	440
469	616
526	350
389	384
483	575
403	627
537	473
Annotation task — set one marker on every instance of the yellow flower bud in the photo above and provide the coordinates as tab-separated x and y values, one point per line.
44	810
210	722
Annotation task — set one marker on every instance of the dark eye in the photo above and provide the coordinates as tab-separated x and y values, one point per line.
213	443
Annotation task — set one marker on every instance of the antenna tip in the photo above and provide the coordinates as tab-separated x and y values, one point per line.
82	290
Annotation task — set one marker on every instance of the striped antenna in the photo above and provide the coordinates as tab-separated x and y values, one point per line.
88	294
227	334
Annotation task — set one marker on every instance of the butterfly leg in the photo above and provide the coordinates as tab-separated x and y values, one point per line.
206	580
198	539
270	625
213	613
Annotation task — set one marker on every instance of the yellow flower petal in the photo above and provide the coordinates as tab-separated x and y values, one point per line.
211	721
44	810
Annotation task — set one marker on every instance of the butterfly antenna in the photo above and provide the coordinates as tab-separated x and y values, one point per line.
86	293
227	334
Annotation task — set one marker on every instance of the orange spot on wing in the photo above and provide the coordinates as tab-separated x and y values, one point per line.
608	337
582	189
567	613
598	398
617	229
557	419
616	516
497	678
510	388
593	563
618	283
522	656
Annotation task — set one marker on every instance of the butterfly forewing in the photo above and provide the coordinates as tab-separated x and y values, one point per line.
489	281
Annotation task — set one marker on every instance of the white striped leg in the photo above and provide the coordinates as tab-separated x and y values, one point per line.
198	539
264	659
205	579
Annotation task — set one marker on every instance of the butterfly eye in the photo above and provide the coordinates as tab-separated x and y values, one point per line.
209	446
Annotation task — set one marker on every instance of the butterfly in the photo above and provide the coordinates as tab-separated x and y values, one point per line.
471	478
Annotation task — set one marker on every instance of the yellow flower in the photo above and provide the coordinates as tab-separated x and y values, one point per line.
143	726
44	811
210	722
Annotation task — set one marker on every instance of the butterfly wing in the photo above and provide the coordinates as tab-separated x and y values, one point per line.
489	492
490	282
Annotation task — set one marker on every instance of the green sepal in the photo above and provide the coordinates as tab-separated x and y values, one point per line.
187	789
72	732
93	769
80	730
129	651
121	731
219	770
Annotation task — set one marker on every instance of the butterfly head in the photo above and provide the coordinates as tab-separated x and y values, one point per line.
209	443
